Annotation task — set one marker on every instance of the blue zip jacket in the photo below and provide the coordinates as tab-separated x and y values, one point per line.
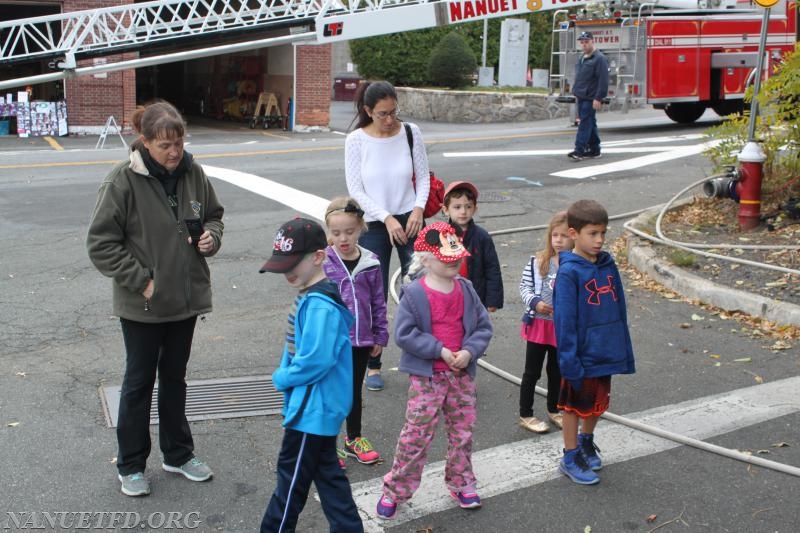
412	329
591	77
591	319
320	375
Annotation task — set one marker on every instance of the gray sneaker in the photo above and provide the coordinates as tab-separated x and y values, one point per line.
134	484
194	469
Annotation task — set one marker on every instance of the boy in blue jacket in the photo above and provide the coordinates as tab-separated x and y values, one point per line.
592	334
316	377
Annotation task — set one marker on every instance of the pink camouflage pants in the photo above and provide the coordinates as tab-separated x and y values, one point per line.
453	395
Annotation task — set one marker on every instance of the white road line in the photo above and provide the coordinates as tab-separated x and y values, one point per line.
665	139
559	151
525	463
302	202
583	172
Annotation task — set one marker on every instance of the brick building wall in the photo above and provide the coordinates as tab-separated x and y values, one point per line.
92	99
313	85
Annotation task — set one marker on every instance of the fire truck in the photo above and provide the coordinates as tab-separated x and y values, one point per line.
682	56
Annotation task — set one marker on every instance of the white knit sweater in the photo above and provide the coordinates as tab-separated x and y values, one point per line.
378	172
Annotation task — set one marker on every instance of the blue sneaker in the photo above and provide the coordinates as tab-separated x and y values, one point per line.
573	465
466	500
374	382
589	450
387	508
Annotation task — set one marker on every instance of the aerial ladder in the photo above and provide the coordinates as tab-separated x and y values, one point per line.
66	38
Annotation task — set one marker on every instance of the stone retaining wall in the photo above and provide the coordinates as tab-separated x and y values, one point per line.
476	107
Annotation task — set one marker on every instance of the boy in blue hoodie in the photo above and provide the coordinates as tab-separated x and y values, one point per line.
316	377
592	334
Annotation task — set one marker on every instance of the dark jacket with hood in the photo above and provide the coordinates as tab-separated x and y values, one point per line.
591	319
135	235
483	265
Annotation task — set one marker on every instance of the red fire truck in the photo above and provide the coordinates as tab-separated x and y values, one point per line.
682	56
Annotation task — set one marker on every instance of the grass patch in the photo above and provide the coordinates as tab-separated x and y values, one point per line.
681	258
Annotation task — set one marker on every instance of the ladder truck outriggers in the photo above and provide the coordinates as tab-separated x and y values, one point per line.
682	56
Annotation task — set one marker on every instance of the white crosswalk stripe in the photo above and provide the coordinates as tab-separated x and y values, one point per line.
528	462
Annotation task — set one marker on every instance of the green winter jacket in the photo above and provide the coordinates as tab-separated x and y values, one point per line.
134	237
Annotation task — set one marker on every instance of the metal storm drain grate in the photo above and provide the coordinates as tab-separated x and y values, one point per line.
494	196
208	399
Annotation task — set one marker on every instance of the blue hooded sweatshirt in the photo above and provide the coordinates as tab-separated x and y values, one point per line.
591	320
317	381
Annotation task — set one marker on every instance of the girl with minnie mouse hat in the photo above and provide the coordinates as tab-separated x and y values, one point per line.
442	328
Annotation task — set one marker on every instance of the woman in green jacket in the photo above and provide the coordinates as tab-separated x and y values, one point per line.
156	220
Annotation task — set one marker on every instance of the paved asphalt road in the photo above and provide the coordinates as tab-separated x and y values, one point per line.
59	345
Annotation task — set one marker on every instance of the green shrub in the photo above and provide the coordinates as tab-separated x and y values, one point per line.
402	58
452	63
777	128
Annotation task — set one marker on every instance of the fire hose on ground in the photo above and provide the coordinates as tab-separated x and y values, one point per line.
660	239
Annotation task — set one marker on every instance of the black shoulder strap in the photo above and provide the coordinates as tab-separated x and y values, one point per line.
410	137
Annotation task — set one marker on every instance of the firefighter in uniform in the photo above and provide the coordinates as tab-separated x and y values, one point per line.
589	88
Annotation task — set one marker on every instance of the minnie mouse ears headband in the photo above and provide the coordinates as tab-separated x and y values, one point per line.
443	241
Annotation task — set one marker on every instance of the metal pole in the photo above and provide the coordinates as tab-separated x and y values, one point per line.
485	37
160	59
762	50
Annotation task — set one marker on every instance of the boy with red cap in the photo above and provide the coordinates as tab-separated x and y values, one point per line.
482	267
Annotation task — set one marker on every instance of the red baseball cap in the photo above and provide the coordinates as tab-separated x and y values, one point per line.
462	185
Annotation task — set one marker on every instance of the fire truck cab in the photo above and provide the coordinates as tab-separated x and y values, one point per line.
682	56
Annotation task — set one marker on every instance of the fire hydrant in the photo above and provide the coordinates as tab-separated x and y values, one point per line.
751	171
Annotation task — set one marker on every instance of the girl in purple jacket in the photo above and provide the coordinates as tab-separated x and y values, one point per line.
357	272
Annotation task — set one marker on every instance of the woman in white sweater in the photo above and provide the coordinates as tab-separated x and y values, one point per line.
379	166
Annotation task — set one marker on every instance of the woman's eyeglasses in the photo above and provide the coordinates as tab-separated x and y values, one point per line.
383	115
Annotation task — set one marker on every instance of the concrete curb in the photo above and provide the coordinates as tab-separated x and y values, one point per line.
644	259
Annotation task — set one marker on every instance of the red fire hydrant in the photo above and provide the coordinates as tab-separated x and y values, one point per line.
751	171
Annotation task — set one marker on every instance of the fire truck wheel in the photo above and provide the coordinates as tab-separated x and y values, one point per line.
685	112
729	107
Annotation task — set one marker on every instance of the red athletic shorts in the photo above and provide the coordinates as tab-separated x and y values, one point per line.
591	400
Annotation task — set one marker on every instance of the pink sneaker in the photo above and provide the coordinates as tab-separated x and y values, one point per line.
342	458
362	450
467	500
387	508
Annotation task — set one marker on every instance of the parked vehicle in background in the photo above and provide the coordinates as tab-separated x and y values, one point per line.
682	56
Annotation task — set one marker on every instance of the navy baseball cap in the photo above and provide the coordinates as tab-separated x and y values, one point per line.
295	239
586	36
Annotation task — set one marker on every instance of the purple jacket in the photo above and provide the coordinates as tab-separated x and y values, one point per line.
412	329
362	293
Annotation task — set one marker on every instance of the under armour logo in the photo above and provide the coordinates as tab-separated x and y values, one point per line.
595	291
